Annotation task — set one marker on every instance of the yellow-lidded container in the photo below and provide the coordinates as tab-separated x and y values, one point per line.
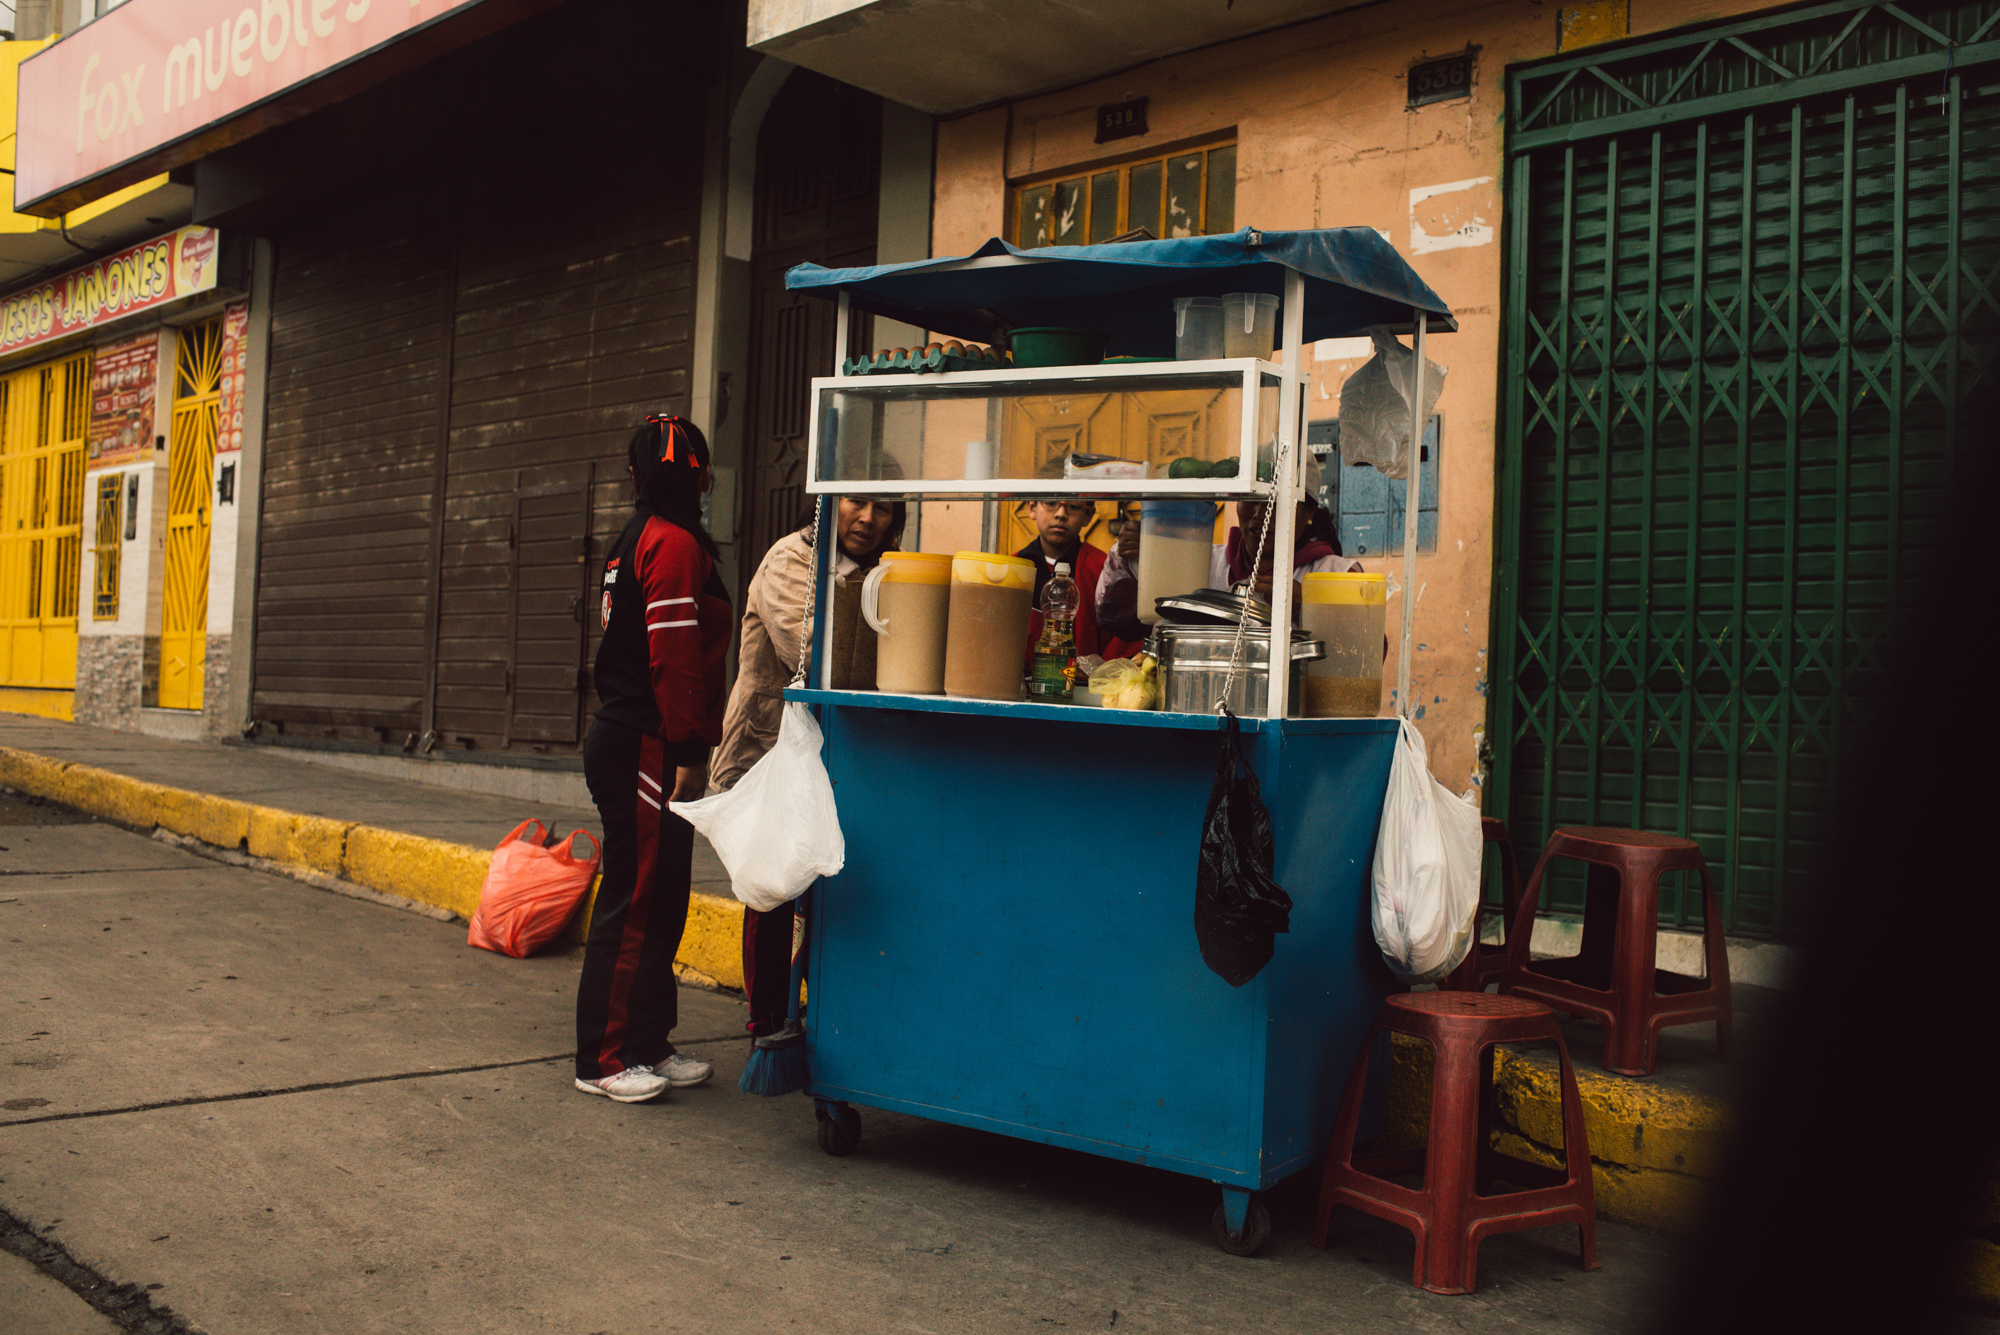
906	598
986	637
1014	572
916	568
1346	613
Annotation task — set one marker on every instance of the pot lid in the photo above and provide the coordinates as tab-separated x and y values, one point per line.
1216	639
1213	607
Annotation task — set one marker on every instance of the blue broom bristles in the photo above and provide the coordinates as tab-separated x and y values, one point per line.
777	1063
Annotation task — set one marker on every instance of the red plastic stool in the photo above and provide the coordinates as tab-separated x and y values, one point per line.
1613	978
1484	964
1449	1215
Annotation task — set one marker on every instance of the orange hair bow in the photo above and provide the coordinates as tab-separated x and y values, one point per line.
670	429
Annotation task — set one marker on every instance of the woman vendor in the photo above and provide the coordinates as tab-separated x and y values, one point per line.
768	657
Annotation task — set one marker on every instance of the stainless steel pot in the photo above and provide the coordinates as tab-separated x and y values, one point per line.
1194	662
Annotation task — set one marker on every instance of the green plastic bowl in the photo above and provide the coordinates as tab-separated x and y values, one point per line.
1056	347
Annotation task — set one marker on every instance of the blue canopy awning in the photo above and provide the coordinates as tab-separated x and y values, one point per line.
1354	280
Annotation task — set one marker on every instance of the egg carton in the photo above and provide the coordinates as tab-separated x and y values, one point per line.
912	361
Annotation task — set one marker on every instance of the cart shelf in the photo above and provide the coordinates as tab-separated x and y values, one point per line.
1085	714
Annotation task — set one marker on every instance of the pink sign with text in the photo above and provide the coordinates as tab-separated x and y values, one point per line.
151	72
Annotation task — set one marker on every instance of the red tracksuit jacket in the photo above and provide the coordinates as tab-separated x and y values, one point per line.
666	623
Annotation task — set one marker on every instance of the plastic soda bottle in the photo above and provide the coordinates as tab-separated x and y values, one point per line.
1052	680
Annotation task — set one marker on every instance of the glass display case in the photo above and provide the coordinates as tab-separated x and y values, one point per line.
1126	429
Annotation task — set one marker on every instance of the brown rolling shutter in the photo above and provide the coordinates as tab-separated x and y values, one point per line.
357	346
455	374
564	339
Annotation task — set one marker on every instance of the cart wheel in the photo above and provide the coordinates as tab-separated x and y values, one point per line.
839	1131
1256	1230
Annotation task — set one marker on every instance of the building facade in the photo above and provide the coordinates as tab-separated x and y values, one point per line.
1724	274
1725	277
471	260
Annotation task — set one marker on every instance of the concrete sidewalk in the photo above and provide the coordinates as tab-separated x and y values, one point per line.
1656	1142
423	845
277	1111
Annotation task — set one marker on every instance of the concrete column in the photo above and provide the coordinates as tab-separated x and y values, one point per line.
250	484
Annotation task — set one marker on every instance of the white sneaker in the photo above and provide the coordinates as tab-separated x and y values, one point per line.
634	1084
682	1071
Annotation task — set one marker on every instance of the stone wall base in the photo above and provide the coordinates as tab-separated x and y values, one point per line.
110	680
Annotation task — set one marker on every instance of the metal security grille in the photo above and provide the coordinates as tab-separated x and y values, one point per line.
110	521
190	466
1754	273
43	412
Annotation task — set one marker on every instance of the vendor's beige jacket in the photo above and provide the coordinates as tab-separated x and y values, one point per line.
769	653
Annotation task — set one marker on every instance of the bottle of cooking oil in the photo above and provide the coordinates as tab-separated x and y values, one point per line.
1052	679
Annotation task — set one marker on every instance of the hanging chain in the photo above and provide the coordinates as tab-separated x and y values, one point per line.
1256	562
812	589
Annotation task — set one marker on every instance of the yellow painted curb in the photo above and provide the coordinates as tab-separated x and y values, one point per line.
713	942
430	871
220	821
302	841
1652	1151
29	772
1982	1271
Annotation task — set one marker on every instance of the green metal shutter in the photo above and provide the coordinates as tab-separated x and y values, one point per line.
1754	270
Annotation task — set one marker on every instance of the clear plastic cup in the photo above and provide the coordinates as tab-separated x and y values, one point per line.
1249	324
1197	328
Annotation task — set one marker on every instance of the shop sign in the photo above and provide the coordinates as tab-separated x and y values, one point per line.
235	361
155	73
124	385
150	274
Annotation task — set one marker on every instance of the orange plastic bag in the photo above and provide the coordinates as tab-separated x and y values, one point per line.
531	891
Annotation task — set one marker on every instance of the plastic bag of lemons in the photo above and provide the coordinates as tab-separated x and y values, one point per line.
1127	683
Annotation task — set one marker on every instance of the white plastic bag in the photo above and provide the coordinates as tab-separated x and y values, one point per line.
1427	856
1375	405
777	829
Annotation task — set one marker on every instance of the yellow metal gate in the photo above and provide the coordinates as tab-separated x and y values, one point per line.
43	411
190	464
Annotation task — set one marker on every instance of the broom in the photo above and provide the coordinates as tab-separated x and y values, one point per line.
777	1062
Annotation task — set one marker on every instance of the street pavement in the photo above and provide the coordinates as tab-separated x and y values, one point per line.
272	1108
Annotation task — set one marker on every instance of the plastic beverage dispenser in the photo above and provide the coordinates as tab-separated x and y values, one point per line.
1197	328
1175	544
1345	612
1249	324
986	636
907	599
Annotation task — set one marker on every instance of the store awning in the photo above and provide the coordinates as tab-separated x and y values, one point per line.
1354	280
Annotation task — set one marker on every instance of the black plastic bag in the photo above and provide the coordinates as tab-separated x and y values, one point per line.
1238	908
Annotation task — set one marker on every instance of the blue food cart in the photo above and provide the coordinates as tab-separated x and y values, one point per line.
1011	944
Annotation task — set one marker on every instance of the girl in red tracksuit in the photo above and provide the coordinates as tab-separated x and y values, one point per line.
660	692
